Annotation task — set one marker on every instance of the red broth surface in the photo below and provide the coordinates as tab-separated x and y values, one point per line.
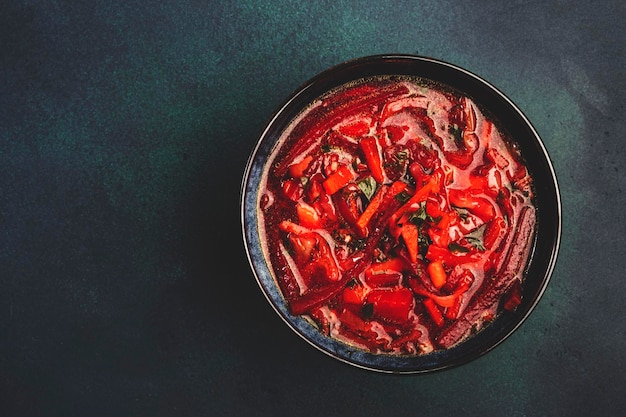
396	216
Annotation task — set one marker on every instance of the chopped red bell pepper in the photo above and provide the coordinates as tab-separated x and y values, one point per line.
354	294
308	216
303	246
392	305
433	207
397	264
338	179
396	188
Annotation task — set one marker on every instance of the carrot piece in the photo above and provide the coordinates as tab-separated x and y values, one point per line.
308	216
371	209
410	233
372	156
297	170
437	274
396	188
453	311
337	180
354	295
434	311
480	207
419	196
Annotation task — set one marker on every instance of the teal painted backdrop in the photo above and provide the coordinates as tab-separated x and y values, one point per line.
125	128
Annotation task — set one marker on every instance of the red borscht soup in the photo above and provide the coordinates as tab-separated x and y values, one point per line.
397	216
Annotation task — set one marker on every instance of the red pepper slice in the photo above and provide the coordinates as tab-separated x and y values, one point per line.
338	179
437	253
369	146
354	295
390	265
434	311
370	210
480	207
392	305
493	230
410	234
325	207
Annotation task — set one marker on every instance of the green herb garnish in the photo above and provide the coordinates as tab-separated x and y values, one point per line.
476	238
403	196
368	186
455	247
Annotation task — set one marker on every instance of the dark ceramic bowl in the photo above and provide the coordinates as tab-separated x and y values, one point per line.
544	248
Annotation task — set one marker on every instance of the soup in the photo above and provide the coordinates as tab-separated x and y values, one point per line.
397	216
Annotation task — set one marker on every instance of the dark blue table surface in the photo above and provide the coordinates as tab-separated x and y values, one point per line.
125	128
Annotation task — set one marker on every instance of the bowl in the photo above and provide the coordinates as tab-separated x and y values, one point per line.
317	325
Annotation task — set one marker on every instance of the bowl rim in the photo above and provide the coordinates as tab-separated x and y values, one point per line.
495	332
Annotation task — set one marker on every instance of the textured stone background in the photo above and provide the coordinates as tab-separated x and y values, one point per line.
124	132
